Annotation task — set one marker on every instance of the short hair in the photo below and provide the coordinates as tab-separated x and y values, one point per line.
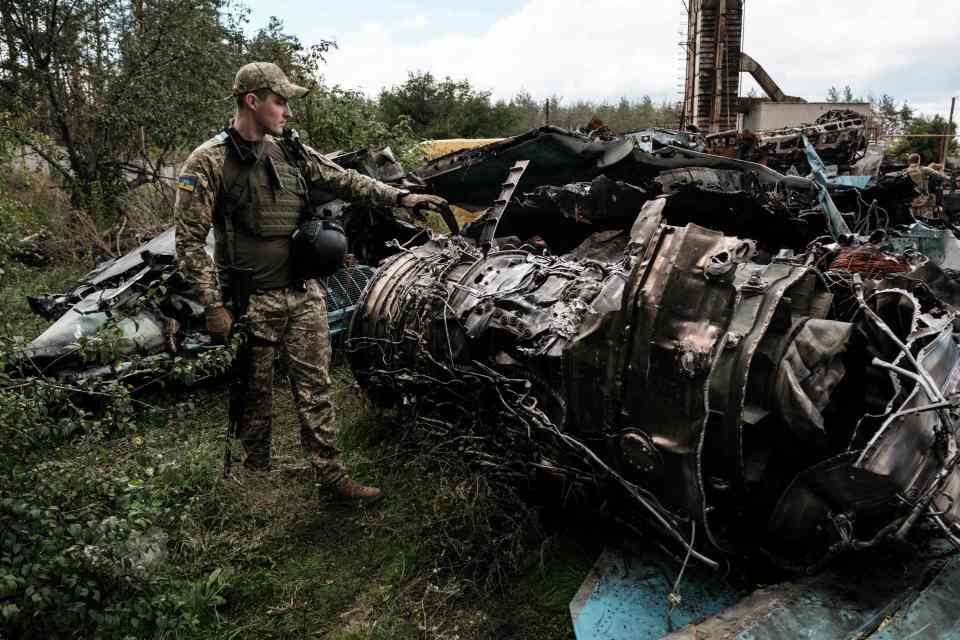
260	93
914	158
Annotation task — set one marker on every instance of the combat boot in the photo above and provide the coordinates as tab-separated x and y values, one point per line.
349	489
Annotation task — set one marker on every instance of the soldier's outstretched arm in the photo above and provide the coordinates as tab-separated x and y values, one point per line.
348	184
197	187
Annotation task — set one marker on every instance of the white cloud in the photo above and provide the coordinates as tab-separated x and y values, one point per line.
869	46
548	47
410	23
608	48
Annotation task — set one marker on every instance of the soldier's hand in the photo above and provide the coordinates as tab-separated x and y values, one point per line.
219	321
422	201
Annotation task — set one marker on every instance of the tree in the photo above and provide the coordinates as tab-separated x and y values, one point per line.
300	64
906	113
842	95
118	85
445	108
893	120
928	147
334	118
528	113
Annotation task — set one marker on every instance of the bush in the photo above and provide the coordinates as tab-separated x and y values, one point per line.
17	221
83	541
32	205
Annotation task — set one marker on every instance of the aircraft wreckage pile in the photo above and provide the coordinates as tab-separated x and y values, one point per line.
705	342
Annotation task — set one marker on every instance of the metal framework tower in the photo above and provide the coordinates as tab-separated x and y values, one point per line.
712	85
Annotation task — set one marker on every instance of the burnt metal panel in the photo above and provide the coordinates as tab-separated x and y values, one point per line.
907	448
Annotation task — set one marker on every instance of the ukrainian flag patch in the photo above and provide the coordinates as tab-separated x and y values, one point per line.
187	183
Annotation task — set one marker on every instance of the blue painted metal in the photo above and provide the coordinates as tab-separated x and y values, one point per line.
625	597
835	222
935	613
860	182
929	241
864	596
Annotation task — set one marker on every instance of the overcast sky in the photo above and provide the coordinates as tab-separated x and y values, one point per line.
605	49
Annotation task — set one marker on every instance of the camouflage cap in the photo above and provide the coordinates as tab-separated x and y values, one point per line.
265	75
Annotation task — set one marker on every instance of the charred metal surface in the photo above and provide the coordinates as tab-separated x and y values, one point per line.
556	156
489	225
594	202
703	385
576	185
776	214
156	315
840	138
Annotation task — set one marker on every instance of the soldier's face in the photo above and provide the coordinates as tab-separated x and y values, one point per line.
272	113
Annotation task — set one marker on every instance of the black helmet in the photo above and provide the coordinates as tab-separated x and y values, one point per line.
319	247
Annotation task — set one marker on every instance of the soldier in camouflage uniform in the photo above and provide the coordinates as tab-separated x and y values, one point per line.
924	204
250	188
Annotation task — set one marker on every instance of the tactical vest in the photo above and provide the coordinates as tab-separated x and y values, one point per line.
263	197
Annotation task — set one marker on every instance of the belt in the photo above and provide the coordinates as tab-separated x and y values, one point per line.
299	285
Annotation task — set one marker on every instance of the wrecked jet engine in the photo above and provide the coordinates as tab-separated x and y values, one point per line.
720	399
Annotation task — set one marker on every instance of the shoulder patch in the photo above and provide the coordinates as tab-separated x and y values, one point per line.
221	137
187	183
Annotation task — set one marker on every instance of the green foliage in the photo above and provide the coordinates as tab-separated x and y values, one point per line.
11	127
17	220
444	108
928	147
300	63
126	86
438	109
163	547
121	86
624	115
334	118
83	546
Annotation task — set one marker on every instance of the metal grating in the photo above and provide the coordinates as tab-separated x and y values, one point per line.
343	290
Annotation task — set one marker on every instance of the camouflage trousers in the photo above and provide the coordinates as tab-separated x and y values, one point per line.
294	321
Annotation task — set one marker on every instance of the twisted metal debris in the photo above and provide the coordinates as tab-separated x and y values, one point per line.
684	378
